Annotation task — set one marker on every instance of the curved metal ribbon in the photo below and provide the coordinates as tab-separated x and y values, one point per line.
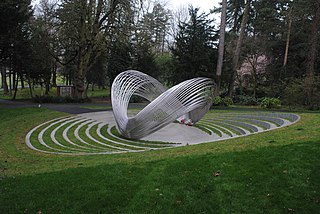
190	99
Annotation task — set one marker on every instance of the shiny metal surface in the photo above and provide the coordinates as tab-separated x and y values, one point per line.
189	100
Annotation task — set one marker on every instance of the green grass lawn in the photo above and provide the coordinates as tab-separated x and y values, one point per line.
271	172
25	93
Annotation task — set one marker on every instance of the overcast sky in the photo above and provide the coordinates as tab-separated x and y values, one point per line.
205	5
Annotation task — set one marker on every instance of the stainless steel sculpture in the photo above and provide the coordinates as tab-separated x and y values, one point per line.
189	100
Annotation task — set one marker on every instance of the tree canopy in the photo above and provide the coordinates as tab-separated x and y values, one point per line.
270	47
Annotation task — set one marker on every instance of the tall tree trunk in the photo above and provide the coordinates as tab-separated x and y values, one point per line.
10	82
236	57
254	64
22	81
313	41
254	76
54	75
14	77
285	60
15	87
221	46
80	80
47	85
30	87
235	18
4	81
86	91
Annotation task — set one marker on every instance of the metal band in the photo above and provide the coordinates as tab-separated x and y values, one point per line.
190	99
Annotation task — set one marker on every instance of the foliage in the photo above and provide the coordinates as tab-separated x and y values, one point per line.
270	102
14	19
15	49
97	75
194	52
144	60
246	100
217	100
165	66
294	93
119	59
90	42
86	25
153	27
225	101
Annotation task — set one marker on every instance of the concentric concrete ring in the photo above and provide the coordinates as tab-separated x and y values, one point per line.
96	133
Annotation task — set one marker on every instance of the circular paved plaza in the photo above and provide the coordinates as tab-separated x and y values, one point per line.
96	133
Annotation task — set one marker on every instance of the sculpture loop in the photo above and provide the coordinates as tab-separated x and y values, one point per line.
190	99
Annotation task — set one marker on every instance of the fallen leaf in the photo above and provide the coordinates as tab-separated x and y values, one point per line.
216	174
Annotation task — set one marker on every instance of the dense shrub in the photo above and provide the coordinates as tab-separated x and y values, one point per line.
217	101
270	102
294	94
246	100
225	101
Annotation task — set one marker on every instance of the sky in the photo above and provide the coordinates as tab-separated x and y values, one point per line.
205	5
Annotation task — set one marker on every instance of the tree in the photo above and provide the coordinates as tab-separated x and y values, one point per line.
119	59
180	15
285	60
14	18
221	46
236	57
154	25
86	25
42	63
144	60
311	59
234	13
194	51
47	17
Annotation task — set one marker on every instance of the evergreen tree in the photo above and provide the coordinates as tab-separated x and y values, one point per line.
14	38
119	59
194	51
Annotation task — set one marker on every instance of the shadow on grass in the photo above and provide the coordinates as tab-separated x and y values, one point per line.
266	180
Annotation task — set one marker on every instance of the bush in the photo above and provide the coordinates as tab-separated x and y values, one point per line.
217	101
225	101
270	102
295	95
247	100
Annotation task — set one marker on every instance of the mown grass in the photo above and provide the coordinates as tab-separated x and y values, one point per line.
24	93
98	92
272	172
